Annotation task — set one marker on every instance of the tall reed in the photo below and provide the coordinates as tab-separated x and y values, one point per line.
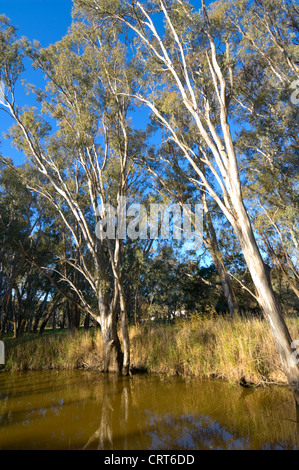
209	347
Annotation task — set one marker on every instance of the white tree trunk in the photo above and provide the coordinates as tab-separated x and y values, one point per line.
266	297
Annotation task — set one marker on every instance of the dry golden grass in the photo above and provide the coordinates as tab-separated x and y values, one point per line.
55	351
213	347
210	347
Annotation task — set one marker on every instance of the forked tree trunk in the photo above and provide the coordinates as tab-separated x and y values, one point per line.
114	358
112	353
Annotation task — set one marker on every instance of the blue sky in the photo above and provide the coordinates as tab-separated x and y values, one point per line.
44	20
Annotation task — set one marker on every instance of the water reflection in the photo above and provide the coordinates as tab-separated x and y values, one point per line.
114	415
89	410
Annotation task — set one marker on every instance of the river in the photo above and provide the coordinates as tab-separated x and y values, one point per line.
90	410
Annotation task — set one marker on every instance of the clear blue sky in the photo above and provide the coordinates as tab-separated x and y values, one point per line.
44	20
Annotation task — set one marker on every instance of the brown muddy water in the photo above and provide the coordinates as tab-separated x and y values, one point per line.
90	410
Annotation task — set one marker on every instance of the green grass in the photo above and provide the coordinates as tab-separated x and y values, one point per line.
210	347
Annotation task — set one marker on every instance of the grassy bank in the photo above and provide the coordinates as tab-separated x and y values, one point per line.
204	348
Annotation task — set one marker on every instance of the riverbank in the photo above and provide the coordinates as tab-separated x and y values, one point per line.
237	350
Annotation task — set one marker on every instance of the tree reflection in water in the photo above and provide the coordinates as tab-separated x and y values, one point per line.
90	410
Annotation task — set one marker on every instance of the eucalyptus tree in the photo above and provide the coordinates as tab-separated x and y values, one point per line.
50	248
176	180
272	197
84	163
270	144
193	59
16	225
